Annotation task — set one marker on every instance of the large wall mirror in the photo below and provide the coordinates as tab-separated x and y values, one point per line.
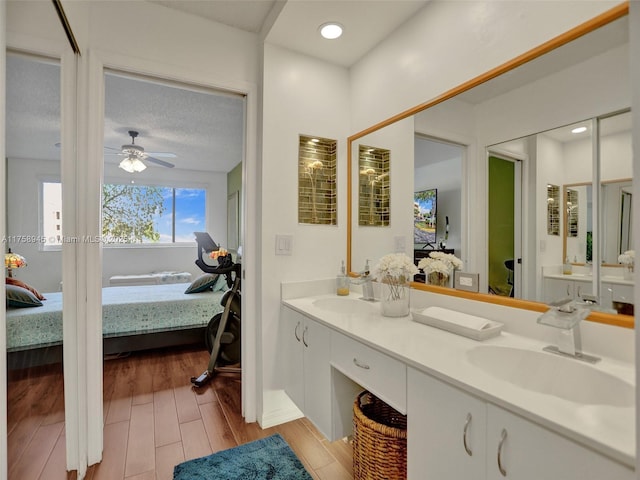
522	112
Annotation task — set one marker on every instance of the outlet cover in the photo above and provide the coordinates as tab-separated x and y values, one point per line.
466	281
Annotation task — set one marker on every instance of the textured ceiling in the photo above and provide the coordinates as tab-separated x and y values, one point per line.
204	129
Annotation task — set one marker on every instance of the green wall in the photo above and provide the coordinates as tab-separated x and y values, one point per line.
501	222
234	184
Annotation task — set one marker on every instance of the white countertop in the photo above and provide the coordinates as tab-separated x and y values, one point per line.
583	277
607	429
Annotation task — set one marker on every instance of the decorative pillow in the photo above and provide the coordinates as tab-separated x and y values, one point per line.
202	283
18	283
18	297
221	284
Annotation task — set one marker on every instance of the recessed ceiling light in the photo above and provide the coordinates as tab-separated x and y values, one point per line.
331	30
579	130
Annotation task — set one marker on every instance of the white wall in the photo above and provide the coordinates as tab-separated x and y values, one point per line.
374	242
310	97
448	43
550	171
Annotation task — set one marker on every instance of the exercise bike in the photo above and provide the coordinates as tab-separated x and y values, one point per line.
222	334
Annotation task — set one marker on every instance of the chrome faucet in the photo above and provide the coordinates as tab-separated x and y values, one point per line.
566	316
364	279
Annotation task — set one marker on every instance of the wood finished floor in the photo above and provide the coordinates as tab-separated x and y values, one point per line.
153	419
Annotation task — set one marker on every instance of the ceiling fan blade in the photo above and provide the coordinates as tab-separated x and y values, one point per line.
162	154
114	149
159	162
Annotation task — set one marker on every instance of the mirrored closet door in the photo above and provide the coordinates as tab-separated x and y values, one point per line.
33	267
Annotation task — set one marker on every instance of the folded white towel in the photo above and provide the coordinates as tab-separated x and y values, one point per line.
457	318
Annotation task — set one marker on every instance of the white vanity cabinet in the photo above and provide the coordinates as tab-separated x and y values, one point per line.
527	451
307	348
555	289
454	435
617	292
445	431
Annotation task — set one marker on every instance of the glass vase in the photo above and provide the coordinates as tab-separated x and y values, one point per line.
628	272
438	278
395	296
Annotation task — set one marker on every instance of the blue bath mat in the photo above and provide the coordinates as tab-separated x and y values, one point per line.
270	458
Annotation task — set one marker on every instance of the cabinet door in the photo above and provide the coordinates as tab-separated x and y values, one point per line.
582	288
292	328
445	431
526	451
556	289
316	340
616	292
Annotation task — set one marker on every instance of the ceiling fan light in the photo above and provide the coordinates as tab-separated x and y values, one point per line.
127	165
138	165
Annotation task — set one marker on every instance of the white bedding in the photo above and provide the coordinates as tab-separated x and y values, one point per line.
125	311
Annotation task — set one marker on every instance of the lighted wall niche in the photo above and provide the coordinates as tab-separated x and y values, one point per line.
317	180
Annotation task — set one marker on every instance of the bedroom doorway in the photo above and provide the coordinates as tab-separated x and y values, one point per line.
173	165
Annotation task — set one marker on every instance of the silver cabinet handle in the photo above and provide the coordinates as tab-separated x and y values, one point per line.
361	365
464	435
503	437
579	288
568	293
295	332
304	335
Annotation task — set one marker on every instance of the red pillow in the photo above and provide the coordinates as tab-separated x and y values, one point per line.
18	283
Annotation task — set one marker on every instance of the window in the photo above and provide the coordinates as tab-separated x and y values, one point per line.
135	214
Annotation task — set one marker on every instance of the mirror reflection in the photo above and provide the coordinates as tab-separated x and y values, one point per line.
553	210
373	186
520	120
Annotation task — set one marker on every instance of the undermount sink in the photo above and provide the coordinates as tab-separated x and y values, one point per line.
345	305
549	374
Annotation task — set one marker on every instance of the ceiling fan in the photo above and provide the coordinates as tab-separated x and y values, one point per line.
134	155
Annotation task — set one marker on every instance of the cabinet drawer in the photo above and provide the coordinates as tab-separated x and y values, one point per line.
382	375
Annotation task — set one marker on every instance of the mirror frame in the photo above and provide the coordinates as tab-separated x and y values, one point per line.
601	20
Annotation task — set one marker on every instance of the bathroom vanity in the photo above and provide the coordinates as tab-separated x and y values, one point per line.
613	288
492	409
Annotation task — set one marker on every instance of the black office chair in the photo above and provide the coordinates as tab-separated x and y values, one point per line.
510	276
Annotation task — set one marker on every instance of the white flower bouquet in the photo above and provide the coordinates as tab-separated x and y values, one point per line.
394	265
438	266
627	258
439	262
395	270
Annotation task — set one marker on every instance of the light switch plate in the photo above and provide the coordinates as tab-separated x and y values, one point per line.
284	244
399	243
466	281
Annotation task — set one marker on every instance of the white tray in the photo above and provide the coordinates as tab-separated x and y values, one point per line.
492	331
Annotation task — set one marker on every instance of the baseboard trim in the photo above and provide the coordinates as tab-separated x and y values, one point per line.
278	408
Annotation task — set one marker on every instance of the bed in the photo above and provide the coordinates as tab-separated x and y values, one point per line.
133	318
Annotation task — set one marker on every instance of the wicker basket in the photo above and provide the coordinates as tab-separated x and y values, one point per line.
379	440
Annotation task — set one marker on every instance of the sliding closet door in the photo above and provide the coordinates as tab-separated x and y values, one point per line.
33	253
